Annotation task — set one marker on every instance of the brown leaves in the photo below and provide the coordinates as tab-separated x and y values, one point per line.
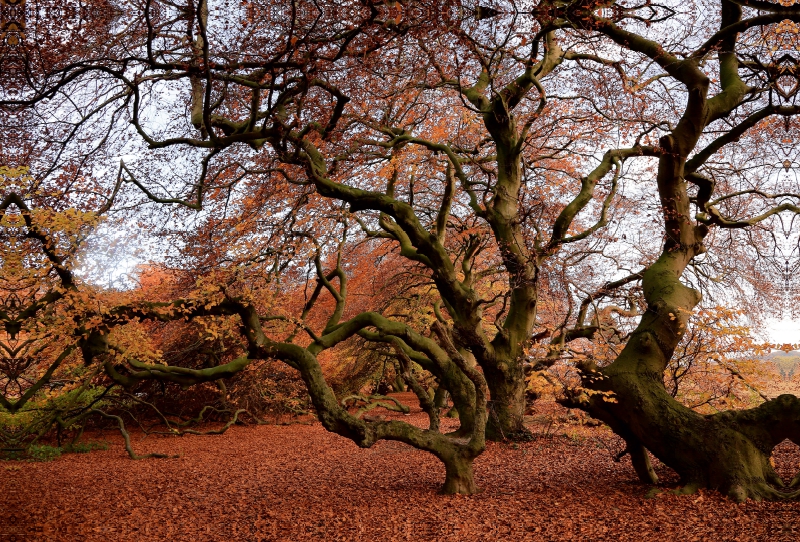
301	483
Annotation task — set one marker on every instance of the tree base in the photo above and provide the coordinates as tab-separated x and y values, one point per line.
459	477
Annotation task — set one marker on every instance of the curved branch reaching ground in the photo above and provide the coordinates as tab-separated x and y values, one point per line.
127	437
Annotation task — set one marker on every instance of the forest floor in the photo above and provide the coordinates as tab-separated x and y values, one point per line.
299	482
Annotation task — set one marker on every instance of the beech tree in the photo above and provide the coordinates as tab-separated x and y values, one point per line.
126	364
728	451
500	152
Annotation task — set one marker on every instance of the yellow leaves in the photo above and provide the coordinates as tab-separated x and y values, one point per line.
32	234
132	342
15	177
540	383
70	222
14	172
716	364
606	396
214	328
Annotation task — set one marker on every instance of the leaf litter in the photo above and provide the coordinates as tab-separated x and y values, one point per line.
299	482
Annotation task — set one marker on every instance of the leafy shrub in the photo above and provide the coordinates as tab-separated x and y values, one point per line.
43	452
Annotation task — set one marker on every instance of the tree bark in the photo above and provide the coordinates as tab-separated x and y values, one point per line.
507	385
463	394
729	451
641	463
440	397
399	385
459	477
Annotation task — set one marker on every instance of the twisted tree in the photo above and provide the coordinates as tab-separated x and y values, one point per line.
501	153
745	88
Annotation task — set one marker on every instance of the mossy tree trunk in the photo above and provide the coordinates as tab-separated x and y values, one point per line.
728	451
507	405
456	452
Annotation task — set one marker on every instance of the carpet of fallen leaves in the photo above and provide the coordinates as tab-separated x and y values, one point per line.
299	482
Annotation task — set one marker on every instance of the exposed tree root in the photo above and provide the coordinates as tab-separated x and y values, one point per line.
728	452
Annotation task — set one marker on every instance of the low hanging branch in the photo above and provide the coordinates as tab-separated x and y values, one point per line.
171	425
374	401
425	400
127	437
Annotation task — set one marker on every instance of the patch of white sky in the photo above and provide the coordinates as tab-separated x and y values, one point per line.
780	331
118	249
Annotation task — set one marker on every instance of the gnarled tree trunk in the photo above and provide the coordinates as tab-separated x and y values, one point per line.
506	381
459	477
729	451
